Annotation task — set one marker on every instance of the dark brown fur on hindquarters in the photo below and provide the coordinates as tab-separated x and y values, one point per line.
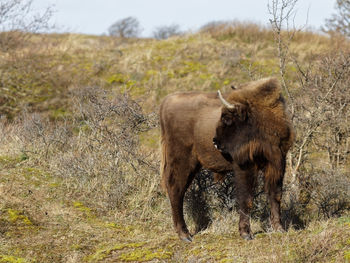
246	131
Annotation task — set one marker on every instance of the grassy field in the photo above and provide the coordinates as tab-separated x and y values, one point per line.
79	157
39	223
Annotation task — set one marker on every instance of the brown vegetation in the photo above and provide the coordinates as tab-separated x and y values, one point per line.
79	148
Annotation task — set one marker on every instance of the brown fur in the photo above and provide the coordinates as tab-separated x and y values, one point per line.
253	136
163	161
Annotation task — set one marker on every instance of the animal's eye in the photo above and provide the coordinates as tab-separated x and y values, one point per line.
226	120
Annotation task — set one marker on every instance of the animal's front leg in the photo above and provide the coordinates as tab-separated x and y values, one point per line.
275	196
245	181
274	191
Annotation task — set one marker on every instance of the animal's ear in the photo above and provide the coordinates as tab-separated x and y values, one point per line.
241	112
226	119
238	113
232	112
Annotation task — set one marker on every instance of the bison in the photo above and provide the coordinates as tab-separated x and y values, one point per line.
245	131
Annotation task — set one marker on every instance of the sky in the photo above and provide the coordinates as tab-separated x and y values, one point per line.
95	16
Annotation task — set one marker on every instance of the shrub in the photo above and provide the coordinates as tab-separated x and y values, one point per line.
95	151
339	22
104	154
197	199
18	19
243	31
125	28
164	32
330	193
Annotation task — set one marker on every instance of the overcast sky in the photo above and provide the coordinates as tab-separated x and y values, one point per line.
95	16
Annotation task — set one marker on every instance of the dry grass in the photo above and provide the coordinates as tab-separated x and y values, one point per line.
79	156
230	53
40	224
54	208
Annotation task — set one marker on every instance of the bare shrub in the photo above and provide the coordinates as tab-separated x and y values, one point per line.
330	193
95	151
225	192
125	28
319	246
205	196
104	156
243	31
197	200
18	19
34	137
318	100
164	32
339	22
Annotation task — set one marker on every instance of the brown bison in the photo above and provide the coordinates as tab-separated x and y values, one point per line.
245	131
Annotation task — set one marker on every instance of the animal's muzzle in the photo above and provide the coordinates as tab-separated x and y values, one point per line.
222	150
216	143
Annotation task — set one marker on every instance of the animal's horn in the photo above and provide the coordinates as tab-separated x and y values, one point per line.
226	104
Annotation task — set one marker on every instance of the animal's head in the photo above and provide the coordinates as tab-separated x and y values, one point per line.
254	126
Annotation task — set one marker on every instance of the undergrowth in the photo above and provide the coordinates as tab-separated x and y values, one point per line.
79	177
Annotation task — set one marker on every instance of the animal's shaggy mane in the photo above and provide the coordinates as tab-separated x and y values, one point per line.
274	132
266	108
264	93
252	151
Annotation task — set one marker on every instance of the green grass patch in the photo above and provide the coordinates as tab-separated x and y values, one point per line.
141	255
103	253
12	259
15	216
11	161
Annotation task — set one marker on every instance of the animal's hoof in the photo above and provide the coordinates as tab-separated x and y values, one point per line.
247	236
186	238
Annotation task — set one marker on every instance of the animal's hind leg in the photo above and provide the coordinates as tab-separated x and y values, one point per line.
179	177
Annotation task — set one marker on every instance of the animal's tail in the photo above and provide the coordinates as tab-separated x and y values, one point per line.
163	162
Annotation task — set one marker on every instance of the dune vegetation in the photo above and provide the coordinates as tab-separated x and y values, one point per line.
79	155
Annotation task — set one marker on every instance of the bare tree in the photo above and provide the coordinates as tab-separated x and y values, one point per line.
311	105
282	11
125	28
164	32
17	19
319	101
339	22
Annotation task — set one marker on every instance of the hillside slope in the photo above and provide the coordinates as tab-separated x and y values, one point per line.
79	157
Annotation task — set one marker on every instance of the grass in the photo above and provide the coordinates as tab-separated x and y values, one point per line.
110	209
39	224
148	69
